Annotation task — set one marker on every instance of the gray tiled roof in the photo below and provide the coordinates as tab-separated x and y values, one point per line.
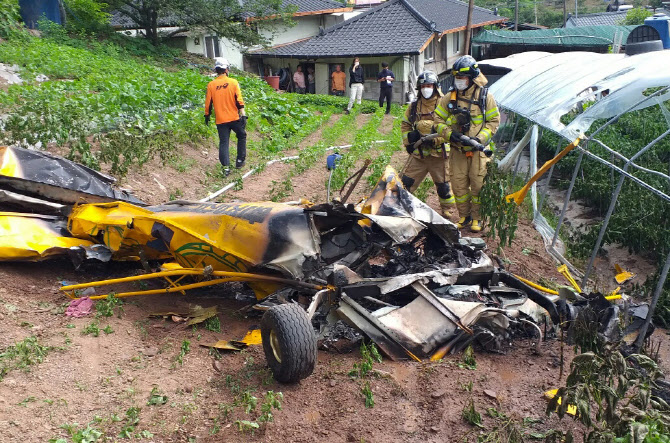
392	28
451	15
600	18
314	5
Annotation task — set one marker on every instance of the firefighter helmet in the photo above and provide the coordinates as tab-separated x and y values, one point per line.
466	66
426	78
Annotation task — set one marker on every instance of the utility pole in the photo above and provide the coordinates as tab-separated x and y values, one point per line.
516	15
575	8
565	11
468	28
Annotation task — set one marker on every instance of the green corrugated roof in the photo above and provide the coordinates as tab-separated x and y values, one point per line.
582	36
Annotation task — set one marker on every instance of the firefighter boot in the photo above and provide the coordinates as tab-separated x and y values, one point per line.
476	226
463	222
446	205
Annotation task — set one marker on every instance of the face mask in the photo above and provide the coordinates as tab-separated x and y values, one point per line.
427	92
461	84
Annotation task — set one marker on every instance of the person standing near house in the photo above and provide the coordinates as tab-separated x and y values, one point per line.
225	98
432	156
385	79
311	81
299	80
468	117
356	79
339	80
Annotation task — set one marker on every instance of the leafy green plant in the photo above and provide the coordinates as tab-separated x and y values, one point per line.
369	354
213	324
156	398
185	349
105	307
612	396
369	396
92	328
247	426
22	355
132	420
498	214
470	414
468	360
10	18
271	401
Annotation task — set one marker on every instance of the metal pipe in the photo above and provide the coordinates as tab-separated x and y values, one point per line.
615	197
567	198
625	159
627	175
657	293
551	172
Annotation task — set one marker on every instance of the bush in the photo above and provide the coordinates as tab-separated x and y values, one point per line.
635	16
10	19
86	16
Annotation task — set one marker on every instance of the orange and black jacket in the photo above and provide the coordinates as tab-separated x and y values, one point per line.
225	97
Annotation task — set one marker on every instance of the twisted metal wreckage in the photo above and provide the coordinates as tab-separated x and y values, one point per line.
390	267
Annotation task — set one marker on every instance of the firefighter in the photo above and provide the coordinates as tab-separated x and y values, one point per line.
467	116
432	156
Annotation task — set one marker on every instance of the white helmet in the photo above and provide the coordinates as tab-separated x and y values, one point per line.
221	62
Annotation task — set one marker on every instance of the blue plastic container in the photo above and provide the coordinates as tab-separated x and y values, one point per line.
662	25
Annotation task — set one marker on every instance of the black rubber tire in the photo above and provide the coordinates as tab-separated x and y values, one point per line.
295	338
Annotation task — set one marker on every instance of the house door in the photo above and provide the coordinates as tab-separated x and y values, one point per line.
212	46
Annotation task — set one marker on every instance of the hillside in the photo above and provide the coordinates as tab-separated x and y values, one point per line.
128	374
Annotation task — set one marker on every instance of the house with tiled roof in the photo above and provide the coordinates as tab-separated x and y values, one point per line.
411	35
597	19
310	16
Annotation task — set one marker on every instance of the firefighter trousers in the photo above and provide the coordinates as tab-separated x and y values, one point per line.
467	179
438	167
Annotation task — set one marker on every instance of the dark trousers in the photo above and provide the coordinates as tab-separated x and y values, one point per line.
224	139
385	94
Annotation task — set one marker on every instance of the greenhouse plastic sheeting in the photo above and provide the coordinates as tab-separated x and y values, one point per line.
548	88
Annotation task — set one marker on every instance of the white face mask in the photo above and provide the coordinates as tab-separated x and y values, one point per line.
427	92
461	83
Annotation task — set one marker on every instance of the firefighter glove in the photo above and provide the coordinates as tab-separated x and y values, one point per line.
207	120
243	119
413	137
410	148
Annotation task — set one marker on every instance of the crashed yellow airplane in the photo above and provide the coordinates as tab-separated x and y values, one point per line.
390	268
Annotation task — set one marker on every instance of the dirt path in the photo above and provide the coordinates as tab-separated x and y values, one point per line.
312	184
106	376
259	186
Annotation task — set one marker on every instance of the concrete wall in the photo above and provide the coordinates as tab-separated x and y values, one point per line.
306	26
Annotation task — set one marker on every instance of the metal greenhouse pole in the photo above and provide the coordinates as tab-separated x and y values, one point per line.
615	197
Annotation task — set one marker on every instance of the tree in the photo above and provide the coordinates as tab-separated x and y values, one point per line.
232	19
635	16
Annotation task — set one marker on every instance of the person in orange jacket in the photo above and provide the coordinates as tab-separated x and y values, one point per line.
225	97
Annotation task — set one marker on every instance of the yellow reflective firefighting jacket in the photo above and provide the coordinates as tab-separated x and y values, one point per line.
482	126
423	122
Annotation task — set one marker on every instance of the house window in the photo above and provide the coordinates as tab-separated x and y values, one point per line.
212	46
457	43
429	52
370	71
